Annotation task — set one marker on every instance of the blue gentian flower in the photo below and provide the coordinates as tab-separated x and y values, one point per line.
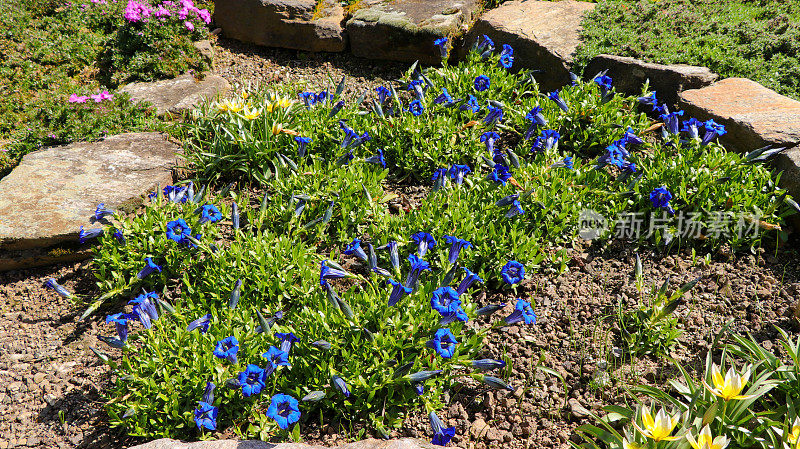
422	376
439	176
201	323
63	292
692	127
321	97
506	200
144	308
558	100
500	174
417	266
457	172
178	230
513	272
565	163
489	309
349	134
419	388
471	105
441	434
336	108
235	215
516	209
481	83
302	143
308	99
442	44
630	137
100	212
522	312
424	242
506	61
507	50
84	235
649	100
394	258
713	130
604	82
121	322
227	349
119	236
672	121
444	342
484	43
615	155
355	249
445	300
495	115
469	279
251	380
383	93
444	98
208	393
284	410
660	197
326	272
344	159
415	108
209	212
377	159
550	137
488	364
340	385
275	358
149	267
494	382
236	293
399	291
205	416
287	339
537	119
489	139
417	87
456	245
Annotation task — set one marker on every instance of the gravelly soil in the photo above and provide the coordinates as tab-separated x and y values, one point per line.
51	383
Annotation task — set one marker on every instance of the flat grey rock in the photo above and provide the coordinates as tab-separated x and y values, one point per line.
629	74
789	163
165	443
544	34
753	115
179	94
404	30
53	192
295	24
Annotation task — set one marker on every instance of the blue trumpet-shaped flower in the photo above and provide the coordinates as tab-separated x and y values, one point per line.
418	87
336	108
377	159
383	93
418	265
604	82
227	349
672	121
481	83
275	358
340	385
506	61
326	272
537	119
558	100
713	130
489	139
546	141
209	212
415	108
615	155
445	300
208	393
516	209
101	211
399	291
88	234
149	267
308	98
205	416
660	197
424	242
201	323
355	249
287	339
422	376
302	143
321	97
471	105
488	364
394	258
489	309
121	322
251	380
442	44
236	293
522	312
469	279
456	245
500	174
284	410
178	230
692	127
144	308
439	177
494	382
513	272
484	42
63	292
441	434
493	116
119	236
563	163
444	342
457	172
444	98
630	138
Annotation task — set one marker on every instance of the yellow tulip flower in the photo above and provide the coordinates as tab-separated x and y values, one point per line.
245	95
251	114
277	128
659	428
730	386
284	102
630	444
706	441
793	439
223	105
235	106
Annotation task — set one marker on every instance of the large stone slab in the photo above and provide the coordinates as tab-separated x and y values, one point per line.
165	443
544	35
789	163
629	74
404	30
753	115
296	24
53	192
179	94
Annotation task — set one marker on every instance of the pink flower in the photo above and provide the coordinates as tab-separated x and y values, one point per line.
137	12
183	13
97	98
204	15
104	95
188	4
189	25
163	12
75	98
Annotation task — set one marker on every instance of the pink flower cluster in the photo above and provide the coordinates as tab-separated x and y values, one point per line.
104	95
139	12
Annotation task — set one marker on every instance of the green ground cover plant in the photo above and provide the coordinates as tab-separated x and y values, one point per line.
759	40
269	288
58	55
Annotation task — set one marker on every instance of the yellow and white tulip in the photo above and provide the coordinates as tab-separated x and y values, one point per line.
706	441
730	386
660	427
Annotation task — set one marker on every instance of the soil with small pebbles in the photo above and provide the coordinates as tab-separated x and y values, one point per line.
51	383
